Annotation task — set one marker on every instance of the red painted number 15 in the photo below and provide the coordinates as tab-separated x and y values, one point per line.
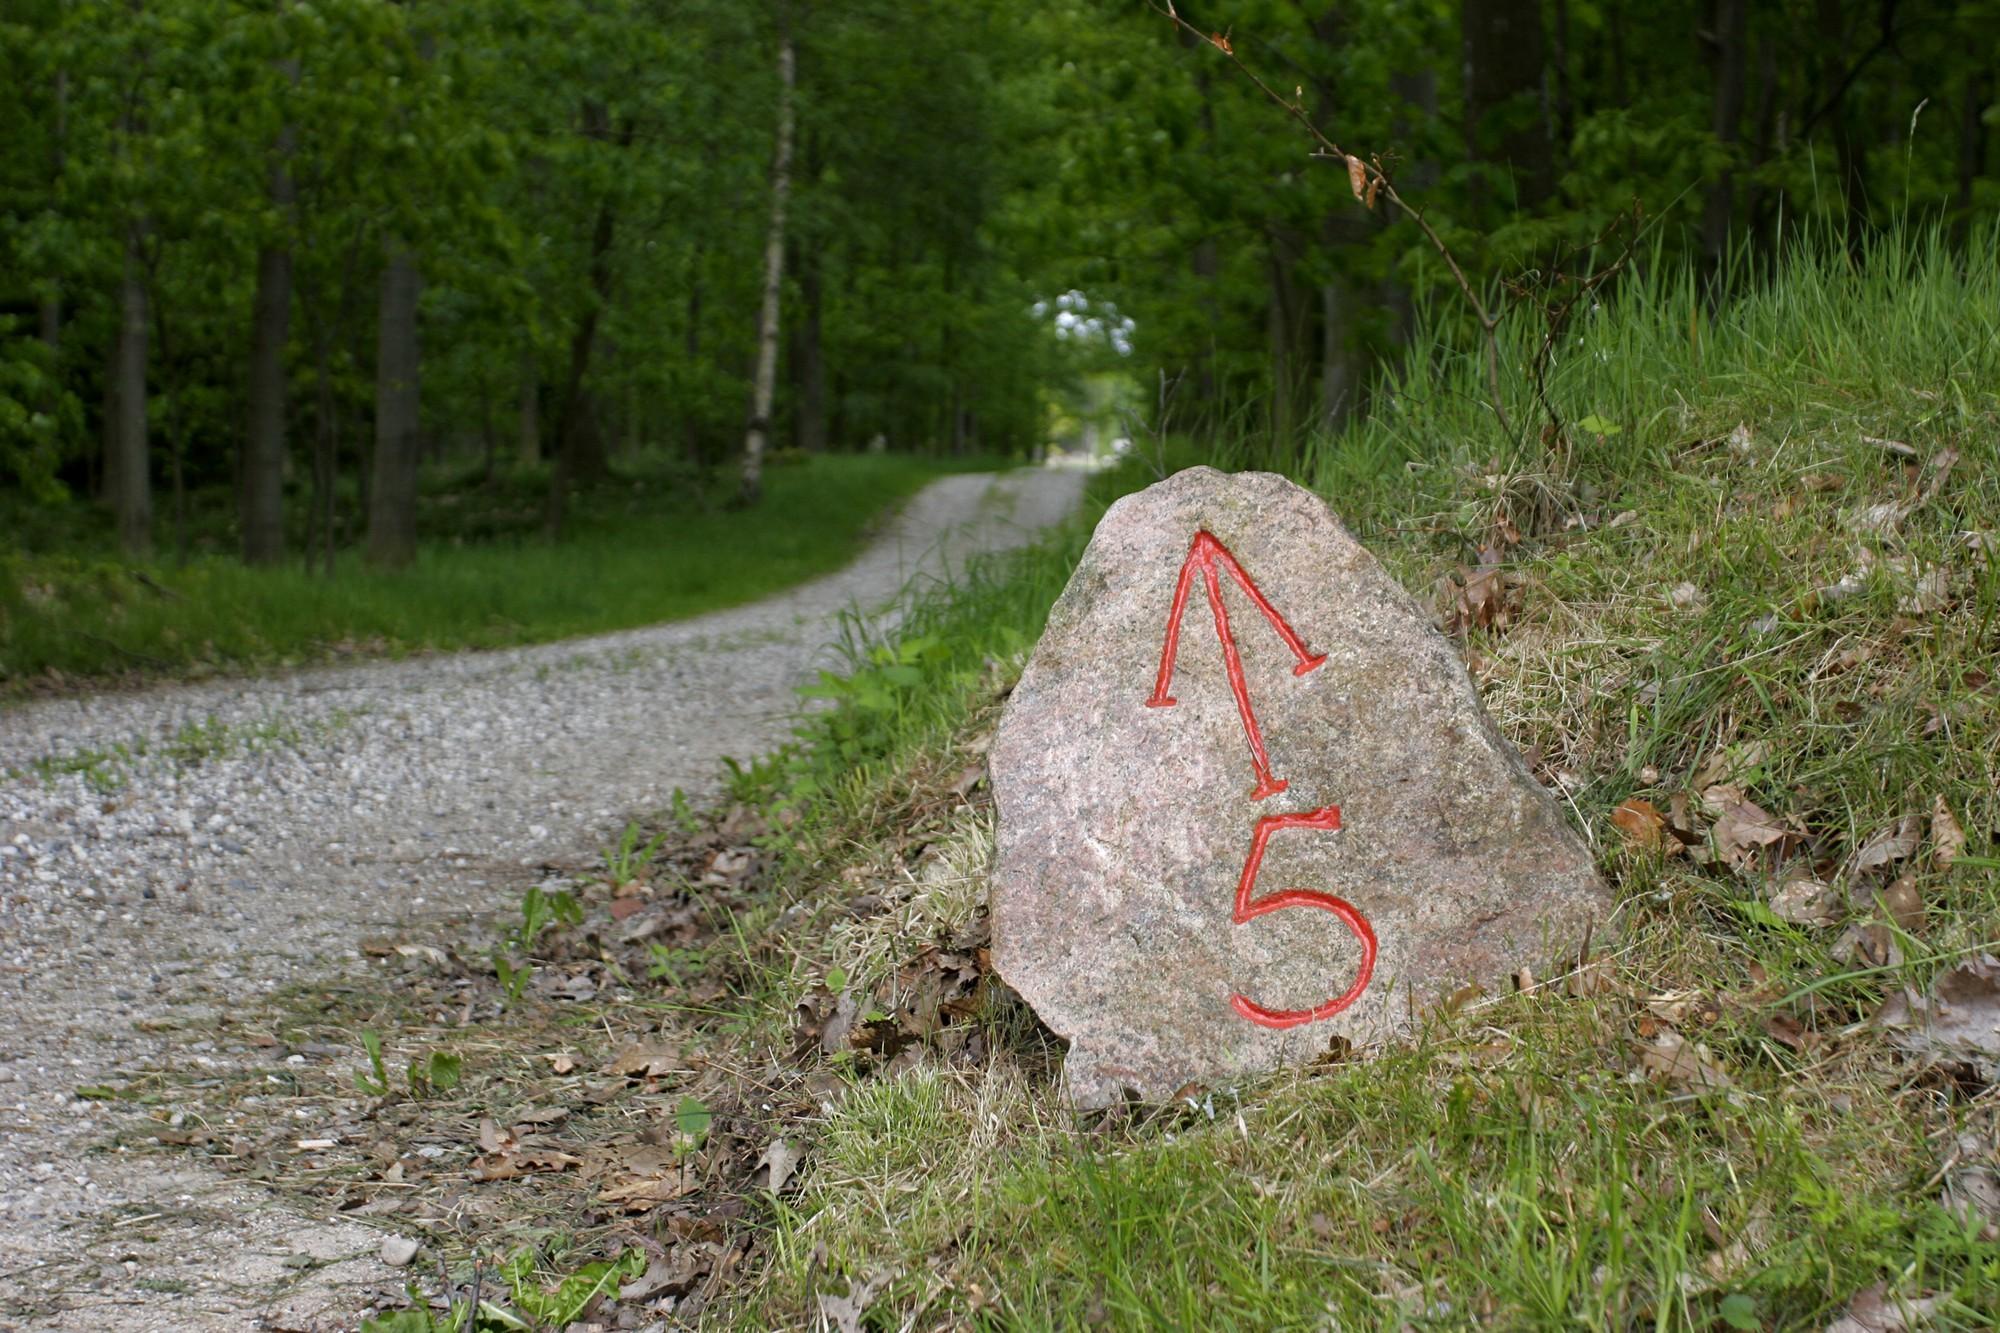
1204	556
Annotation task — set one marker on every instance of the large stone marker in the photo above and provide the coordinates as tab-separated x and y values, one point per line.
1249	802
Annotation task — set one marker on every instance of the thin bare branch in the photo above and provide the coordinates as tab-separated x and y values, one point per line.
1379	185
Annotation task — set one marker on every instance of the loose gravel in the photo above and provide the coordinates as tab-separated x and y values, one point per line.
168	853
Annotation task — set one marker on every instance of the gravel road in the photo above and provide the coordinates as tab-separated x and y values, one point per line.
226	839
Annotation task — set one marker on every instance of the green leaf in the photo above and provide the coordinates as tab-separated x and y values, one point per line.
836	979
443	1070
692	1118
1739	1311
1598	425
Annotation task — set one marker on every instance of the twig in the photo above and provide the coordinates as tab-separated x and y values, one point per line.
1370	182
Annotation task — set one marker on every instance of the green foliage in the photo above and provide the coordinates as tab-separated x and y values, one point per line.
375	1084
567	1299
540	910
629	859
435	1072
513	977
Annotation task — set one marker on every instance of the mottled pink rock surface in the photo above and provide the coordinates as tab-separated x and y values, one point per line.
1126	823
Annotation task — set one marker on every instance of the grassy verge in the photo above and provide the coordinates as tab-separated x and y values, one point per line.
641	550
1763	580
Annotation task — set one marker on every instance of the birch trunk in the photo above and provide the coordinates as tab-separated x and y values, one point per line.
757	437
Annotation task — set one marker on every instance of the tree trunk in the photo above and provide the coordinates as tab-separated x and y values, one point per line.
50	306
758	435
1506	104
263	491
1728	58
1416	91
809	363
529	448
1972	99
1281	321
392	501
579	448
127	467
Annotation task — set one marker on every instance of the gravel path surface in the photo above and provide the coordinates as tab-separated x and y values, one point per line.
220	840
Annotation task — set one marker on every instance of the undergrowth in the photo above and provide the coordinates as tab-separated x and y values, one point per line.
1761	579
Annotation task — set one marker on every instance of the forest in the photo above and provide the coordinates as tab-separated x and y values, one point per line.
293	253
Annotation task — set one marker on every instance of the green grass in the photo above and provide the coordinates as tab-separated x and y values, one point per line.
1680	596
641	550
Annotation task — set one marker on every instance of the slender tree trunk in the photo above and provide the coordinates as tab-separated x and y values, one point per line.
50	312
1506	104
128	467
1284	384
392	502
1728	58
579	448
1762	136
319	525
263	481
529	448
809	363
758	435
1972	99
1563	113
1416	92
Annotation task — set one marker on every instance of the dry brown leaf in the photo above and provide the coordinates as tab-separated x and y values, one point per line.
1687	597
1958	1022
1730	764
844	1313
1897	842
1806	902
1904	904
1640	824
525	1162
1357	177
1672	1059
1744	828
1972	1179
637	1194
646	1060
1875	1311
775	1166
1947	838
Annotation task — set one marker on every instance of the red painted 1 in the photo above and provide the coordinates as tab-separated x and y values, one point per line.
1249	909
1205	554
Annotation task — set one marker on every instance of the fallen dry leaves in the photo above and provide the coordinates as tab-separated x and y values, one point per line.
1957	1022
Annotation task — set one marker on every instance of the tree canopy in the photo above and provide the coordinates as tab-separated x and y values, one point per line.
294	247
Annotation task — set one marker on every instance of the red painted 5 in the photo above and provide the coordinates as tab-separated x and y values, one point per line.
1326	820
1205	554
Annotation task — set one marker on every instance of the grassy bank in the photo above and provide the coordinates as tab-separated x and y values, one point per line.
1758	596
644	548
1763	577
